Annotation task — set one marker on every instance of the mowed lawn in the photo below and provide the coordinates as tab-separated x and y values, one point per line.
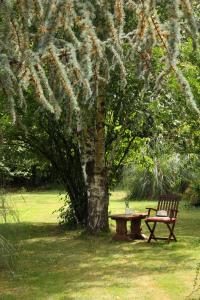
52	264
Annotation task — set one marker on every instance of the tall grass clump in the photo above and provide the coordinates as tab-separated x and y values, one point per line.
162	174
7	251
8	211
7	255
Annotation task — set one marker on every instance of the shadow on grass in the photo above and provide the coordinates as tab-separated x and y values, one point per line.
57	264
21	231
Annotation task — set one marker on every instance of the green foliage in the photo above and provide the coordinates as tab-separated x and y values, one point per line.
128	122
19	166
174	131
63	52
67	215
60	54
44	154
192	193
7	255
154	173
8	211
153	177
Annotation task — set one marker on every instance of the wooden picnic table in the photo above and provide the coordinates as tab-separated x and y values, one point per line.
122	233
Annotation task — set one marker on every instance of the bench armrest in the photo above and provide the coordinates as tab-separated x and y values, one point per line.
149	210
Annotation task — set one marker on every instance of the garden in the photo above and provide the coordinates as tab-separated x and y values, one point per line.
99	123
50	263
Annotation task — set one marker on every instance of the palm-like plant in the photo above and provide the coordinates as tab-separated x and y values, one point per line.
156	175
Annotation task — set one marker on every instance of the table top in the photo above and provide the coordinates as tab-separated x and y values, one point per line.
128	216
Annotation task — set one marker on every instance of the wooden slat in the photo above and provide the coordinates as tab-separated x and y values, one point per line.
169	203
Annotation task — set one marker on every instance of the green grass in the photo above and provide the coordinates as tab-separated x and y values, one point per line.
71	265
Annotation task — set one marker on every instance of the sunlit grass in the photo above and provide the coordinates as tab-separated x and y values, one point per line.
37	207
71	265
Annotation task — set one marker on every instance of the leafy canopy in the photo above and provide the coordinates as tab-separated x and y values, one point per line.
64	49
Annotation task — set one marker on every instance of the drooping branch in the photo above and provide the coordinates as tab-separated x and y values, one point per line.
71	38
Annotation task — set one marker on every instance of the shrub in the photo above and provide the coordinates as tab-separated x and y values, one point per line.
67	217
157	176
192	194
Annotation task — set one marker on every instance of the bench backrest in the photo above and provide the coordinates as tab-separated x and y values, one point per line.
169	203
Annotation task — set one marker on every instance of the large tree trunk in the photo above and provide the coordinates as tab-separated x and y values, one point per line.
96	172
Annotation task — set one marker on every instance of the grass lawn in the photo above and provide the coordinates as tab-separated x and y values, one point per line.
71	265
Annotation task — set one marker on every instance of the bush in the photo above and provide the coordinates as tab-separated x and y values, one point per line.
192	194
67	217
152	178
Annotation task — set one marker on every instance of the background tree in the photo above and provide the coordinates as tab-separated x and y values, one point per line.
168	161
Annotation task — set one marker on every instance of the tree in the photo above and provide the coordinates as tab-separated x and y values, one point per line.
64	51
44	152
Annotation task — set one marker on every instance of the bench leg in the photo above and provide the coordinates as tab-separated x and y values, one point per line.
151	236
171	234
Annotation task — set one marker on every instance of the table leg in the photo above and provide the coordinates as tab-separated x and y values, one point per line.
136	230
121	231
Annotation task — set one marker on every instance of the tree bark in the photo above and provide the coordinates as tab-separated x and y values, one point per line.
96	172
